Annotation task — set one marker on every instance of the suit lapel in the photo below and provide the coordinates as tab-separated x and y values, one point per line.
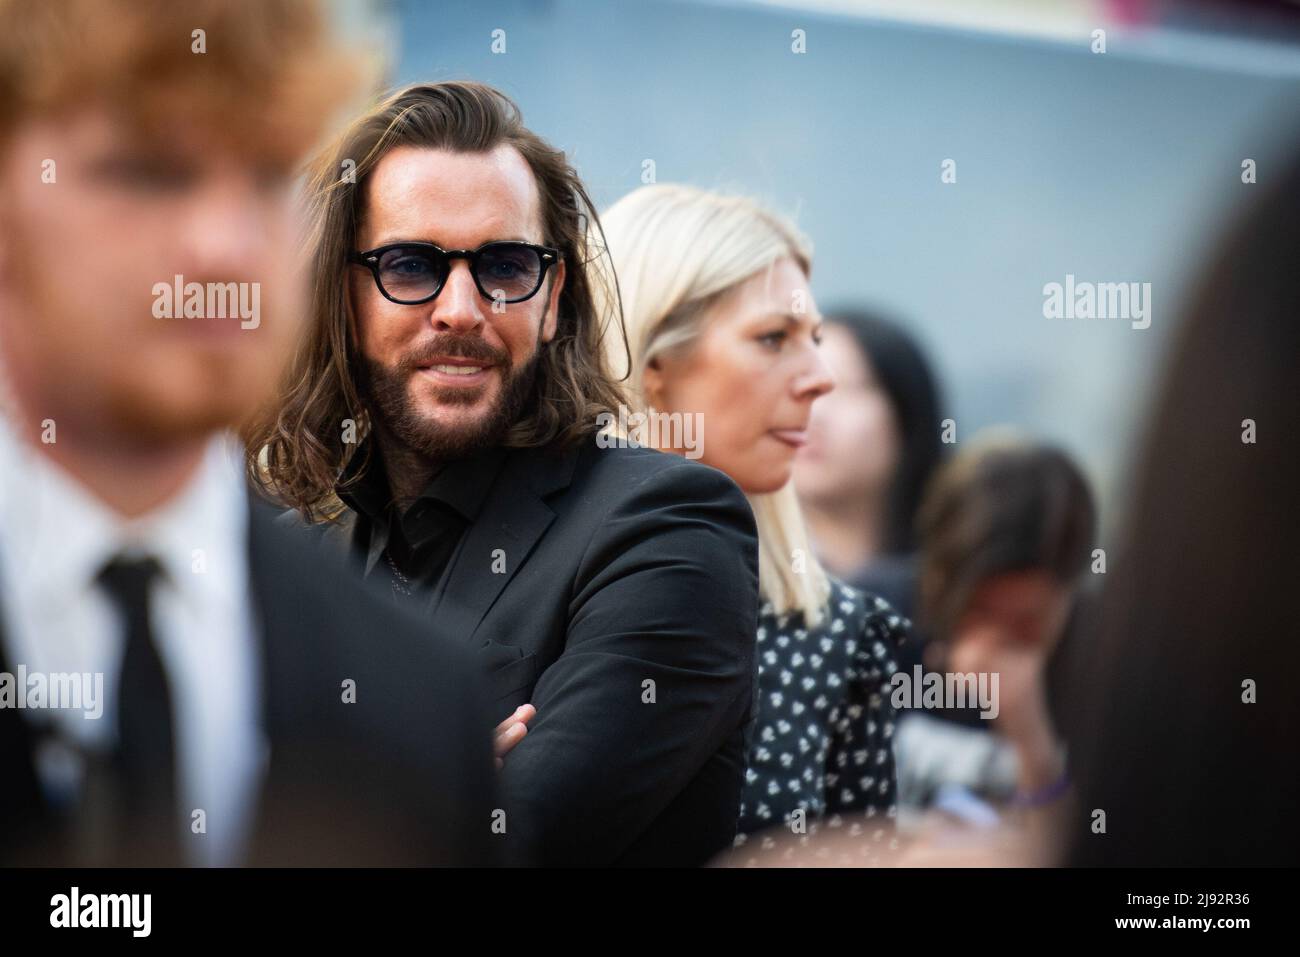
21	801
514	517
273	617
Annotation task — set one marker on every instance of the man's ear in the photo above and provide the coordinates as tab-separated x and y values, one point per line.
551	321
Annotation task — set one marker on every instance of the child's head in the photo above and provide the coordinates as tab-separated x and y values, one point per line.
1005	530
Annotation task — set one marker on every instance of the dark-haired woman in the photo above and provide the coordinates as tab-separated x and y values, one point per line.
873	444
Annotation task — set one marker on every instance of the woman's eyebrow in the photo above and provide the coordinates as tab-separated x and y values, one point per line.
791	319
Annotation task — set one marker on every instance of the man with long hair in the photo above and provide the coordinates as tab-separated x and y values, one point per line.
441	421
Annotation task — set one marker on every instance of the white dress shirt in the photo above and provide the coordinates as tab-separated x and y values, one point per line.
55	538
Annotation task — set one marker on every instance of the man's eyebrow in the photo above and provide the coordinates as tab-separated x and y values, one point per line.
400	240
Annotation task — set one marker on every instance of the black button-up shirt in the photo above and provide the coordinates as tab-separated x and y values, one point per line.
415	547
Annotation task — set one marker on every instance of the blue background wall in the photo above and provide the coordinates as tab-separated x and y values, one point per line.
1114	167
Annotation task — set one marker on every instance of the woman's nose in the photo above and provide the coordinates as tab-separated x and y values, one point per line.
816	379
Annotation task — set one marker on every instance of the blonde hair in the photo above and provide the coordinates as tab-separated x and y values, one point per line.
676	250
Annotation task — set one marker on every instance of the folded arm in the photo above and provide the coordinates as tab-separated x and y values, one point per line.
657	670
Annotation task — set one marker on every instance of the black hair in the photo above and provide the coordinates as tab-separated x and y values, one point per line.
904	373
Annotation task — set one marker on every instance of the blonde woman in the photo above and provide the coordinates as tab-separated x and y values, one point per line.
723	338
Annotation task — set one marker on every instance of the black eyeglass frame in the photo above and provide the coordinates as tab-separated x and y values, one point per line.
548	255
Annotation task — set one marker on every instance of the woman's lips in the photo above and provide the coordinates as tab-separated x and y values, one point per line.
795	438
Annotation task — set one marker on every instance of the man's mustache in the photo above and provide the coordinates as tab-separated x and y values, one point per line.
455	346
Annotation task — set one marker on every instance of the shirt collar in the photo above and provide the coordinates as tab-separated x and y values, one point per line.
56	536
464	484
365	492
461	484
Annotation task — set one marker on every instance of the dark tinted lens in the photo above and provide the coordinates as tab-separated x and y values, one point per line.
509	271
410	274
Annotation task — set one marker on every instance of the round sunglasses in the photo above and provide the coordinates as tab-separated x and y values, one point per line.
412	273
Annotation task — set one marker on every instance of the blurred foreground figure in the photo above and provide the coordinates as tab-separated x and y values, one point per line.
181	681
1189	717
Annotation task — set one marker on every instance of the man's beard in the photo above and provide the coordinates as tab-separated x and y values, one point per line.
395	413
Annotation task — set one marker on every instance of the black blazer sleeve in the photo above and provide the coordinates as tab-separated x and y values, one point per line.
656	674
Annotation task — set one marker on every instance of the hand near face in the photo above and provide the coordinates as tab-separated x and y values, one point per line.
1023	716
1020	668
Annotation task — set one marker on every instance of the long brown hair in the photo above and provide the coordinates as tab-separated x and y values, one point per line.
297	450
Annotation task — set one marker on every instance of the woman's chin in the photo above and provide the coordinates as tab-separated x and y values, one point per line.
765	482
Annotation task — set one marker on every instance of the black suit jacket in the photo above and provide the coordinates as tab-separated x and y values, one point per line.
616	589
401	776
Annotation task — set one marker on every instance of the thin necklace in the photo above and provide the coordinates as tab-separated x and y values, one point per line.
401	584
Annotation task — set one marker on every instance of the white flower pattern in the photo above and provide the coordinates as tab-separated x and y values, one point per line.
840	748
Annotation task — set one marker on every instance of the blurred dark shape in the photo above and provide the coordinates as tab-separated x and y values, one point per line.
1201	600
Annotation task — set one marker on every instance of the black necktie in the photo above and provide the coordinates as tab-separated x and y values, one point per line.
144	762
